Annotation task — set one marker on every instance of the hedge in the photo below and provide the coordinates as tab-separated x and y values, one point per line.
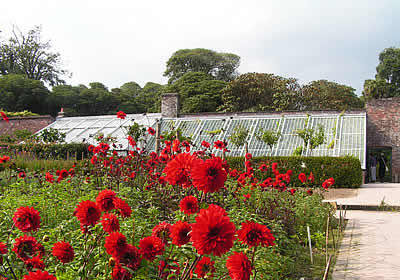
345	170
50	151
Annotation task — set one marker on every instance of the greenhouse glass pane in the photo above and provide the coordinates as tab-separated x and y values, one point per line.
234	124
352	139
86	123
188	127
329	125
85	135
70	137
258	147
289	141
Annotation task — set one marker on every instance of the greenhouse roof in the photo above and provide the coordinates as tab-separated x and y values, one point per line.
345	133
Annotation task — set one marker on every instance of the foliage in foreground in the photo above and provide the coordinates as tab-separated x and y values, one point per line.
173	215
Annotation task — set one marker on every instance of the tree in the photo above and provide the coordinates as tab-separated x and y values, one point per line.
326	95
260	92
198	92
26	54
374	89
81	100
19	93
150	97
66	97
221	66
388	69
128	97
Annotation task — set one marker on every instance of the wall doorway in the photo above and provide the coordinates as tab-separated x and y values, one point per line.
383	156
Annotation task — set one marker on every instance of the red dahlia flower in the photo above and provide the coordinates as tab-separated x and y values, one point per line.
63	251
167	269
189	205
150	247
263	167
119	273
49	177
124	209
311	178
115	244
213	232
328	183
4	116
254	234
248	156
63	173
233	173
4	159
121	115
93	160
219	145
132	141
302	177
209	175
34	263
110	222
26	246
39	275
180	233
3	248
176	146
178	169
239	266
88	213
27	219
151	131
21	174
205	144
162	231
205	267
130	257
105	200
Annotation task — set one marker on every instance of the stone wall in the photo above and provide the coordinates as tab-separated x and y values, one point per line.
383	129
32	124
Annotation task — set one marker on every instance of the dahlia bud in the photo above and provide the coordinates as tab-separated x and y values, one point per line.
111	262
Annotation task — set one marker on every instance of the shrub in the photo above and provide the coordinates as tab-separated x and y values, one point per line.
50	151
346	170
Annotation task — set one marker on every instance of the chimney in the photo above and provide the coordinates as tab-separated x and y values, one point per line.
60	114
170	105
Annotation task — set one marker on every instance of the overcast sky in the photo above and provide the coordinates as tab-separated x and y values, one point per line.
114	42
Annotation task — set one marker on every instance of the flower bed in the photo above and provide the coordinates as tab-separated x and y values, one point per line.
180	214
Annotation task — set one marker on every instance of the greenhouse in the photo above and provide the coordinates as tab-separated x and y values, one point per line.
345	134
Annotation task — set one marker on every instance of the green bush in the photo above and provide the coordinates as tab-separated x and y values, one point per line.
345	170
50	151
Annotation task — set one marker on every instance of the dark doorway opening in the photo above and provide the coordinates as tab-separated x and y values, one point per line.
383	158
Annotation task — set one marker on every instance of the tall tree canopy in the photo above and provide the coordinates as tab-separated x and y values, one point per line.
260	92
28	55
387	78
198	92
18	93
98	100
221	66
326	95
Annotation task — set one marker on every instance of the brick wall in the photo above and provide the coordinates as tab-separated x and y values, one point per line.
383	128
32	124
170	105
